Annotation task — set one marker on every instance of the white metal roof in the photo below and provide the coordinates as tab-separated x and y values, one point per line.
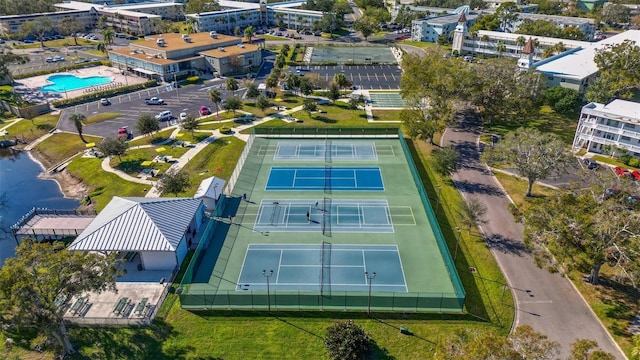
579	64
622	110
210	187
138	224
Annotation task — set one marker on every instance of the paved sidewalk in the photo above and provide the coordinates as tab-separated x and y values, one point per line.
548	302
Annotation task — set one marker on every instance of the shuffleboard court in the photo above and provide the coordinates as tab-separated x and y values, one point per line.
387	100
351	54
324	267
323	178
325	150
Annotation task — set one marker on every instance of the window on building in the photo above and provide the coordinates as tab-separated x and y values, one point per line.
625	138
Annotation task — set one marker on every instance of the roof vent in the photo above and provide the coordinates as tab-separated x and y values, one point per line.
241	46
160	42
213	34
221	49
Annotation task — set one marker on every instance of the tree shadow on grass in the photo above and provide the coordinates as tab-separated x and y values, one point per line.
324	119
138	342
130	166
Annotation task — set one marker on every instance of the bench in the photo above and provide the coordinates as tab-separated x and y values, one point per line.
141	306
78	305
120	305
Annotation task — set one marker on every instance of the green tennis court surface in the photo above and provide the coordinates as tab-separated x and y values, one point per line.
387	100
315	244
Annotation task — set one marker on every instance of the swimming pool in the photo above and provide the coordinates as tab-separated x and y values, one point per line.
66	82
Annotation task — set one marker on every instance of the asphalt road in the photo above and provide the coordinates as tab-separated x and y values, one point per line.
547	302
186	99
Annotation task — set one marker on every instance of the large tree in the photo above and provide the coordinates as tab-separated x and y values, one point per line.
346	340
615	13
619	66
366	25
113	146
535	155
201	6
71	26
431	87
233	103
190	123
43	277
341	81
78	120
7	58
39	28
147	124
174	182
588	228
262	103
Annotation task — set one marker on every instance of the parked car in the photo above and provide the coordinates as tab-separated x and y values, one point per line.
49	59
620	171
183	116
164	116
58	58
635	174
591	164
154	101
123	133
204	111
105	102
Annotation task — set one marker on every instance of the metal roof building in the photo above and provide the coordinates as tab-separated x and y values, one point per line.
159	229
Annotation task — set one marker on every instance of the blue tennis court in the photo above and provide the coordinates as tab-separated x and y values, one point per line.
323	267
325	178
326	215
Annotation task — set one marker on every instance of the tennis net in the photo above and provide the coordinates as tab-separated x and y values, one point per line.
322	267
326	217
327	151
327	179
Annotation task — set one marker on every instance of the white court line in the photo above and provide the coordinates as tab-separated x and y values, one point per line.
279	262
242	268
404	280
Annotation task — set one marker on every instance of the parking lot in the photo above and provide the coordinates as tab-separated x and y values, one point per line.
186	99
369	77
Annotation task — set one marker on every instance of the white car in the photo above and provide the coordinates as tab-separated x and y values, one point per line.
164	116
183	116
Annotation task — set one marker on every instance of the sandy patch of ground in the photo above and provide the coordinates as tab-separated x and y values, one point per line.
71	186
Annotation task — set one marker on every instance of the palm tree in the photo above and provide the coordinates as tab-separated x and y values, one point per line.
102	47
473	35
298	22
108	36
248	33
520	42
500	48
341	81
485	39
119	17
77	119
214	96
536	46
558	48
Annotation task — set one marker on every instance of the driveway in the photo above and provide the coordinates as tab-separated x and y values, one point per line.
547	302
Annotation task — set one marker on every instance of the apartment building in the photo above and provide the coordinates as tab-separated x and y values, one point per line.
615	124
11	24
170	55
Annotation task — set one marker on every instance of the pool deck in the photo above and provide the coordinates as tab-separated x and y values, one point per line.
29	88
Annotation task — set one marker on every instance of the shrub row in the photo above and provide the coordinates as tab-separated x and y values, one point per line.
193	79
60	69
103	94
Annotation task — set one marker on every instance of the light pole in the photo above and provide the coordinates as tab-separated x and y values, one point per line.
438	199
268	275
455	256
370	278
175	81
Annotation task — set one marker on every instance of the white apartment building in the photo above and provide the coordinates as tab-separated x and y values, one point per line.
242	14
429	29
616	124
11	24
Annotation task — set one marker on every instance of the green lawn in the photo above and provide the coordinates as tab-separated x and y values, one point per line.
101	117
386	115
30	130
223	115
66	42
131	162
612	161
547	121
217	159
160	136
60	146
103	186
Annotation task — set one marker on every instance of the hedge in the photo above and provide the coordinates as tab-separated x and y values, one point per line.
60	69
103	94
193	79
